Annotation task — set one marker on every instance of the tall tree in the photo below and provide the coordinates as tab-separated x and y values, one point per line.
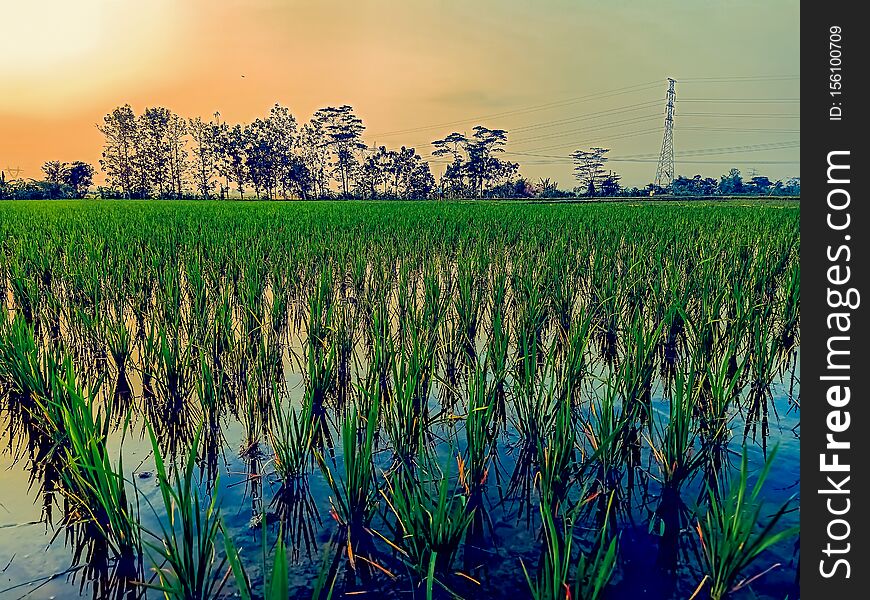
299	178
610	185
176	139
154	152
731	183
454	145
413	178
260	158
120	130
314	153
483	168
589	168
394	174
759	184
205	154
55	174
282	131
234	160
372	180
79	177
342	133
475	168
54	171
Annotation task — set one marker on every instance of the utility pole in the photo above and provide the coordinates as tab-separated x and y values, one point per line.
665	172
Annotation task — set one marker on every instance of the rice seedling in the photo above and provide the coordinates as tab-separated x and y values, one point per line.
90	479
292	435
21	366
790	320
120	345
637	369
604	430
354	496
32	413
595	569
406	412
556	457
211	406
534	411
184	550
171	380
675	449
276	586
467	304
556	569
762	365
480	432
530	306
604	301
320	385
431	516
574	369
720	390
498	344
534	402
731	534
100	517
25	292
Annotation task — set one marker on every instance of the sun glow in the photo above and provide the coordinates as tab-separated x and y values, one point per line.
47	36
54	54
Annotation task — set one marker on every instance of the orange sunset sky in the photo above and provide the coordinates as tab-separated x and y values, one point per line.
558	75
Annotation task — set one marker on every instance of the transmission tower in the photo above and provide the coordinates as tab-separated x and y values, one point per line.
13	172
665	172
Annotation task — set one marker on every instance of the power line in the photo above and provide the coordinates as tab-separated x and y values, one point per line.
689	161
618	123
724	150
630	117
741	129
738	78
595	142
741	115
622	122
614	111
691	152
710	162
742	100
588	116
768	145
596	96
604	126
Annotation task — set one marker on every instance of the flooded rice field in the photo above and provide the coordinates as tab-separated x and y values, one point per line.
399	400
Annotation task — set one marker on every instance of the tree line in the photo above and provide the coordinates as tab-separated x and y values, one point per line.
160	154
61	180
153	154
596	181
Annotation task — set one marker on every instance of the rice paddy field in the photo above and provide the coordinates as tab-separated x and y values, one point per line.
399	400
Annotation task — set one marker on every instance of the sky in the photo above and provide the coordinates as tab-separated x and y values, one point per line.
559	75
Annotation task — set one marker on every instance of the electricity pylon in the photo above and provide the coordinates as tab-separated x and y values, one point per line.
665	172
13	172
